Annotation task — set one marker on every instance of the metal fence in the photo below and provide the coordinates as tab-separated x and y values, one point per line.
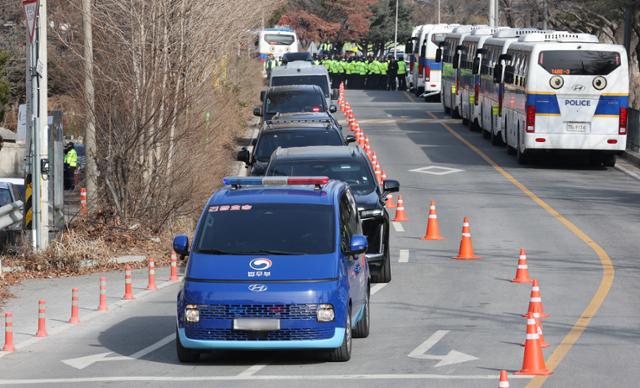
633	137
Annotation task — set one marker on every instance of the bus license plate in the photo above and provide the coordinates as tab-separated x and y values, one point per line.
578	127
256	324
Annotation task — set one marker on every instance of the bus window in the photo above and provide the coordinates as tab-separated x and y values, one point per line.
279	39
574	62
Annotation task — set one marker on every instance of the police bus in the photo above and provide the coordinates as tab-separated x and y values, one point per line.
412	48
448	54
469	74
276	41
488	109
565	92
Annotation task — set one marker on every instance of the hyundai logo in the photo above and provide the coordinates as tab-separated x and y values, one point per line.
258	287
578	88
260	264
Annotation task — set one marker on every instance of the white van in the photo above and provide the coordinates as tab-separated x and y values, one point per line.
293	74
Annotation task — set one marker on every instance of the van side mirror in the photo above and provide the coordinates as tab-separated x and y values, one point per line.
439	55
244	156
509	74
349	139
390	186
335	94
497	74
358	245
476	66
262	94
257	111
333	109
181	245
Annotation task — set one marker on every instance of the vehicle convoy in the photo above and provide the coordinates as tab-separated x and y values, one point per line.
276	41
275	263
294	74
565	92
350	165
292	99
292	130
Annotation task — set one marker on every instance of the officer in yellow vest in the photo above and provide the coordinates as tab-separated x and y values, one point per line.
402	74
70	163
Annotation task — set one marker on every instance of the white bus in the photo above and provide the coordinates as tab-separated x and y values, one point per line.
470	75
488	109
413	51
276	42
565	92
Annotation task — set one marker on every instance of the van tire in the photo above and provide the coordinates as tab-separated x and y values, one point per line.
185	355
343	353
362	327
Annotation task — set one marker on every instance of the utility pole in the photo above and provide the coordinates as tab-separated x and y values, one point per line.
492	13
545	14
395	37
628	20
438	11
91	172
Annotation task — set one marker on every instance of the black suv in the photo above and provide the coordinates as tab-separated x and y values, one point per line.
287	130
290	99
350	165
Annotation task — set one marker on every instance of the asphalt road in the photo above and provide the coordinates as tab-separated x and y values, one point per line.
459	320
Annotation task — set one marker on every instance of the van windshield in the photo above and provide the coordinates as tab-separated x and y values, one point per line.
294	101
279	39
319	80
285	229
574	62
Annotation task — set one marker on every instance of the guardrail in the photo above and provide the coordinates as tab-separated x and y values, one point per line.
633	125
10	214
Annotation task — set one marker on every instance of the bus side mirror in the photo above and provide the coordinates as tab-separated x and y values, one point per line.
409	46
509	74
439	55
456	60
476	66
497	74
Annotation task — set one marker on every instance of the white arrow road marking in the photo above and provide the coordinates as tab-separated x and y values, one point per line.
403	256
83	362
398	226
453	357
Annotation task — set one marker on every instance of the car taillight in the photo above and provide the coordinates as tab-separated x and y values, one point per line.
477	94
531	118
622	121
427	72
315	109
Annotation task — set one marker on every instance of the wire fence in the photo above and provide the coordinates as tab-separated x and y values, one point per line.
633	137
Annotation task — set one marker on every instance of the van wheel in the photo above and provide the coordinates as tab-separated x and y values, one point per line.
343	353
184	354
362	327
609	160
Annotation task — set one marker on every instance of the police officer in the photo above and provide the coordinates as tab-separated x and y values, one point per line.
402	74
392	73
269	65
373	74
70	163
384	67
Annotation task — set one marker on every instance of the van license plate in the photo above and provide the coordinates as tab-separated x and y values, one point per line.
578	127
256	324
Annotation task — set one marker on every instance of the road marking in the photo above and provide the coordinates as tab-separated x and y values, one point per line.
252	370
88	317
436	170
451	358
404	256
401	120
83	362
608	271
377	287
627	171
321	377
397	226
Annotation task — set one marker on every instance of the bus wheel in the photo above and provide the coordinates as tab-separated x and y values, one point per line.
495	138
521	155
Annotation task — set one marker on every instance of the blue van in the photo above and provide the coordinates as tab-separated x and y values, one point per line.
276	263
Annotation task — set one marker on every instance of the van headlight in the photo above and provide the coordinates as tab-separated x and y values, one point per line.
325	313
556	82
599	82
191	313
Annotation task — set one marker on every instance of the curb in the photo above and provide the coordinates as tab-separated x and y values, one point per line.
632	157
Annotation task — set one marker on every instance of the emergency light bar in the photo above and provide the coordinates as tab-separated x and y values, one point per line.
275	180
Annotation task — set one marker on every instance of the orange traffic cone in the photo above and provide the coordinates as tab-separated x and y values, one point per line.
522	273
535	301
389	202
533	361
8	333
504	379
401	216
42	320
378	173
433	227
466	245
